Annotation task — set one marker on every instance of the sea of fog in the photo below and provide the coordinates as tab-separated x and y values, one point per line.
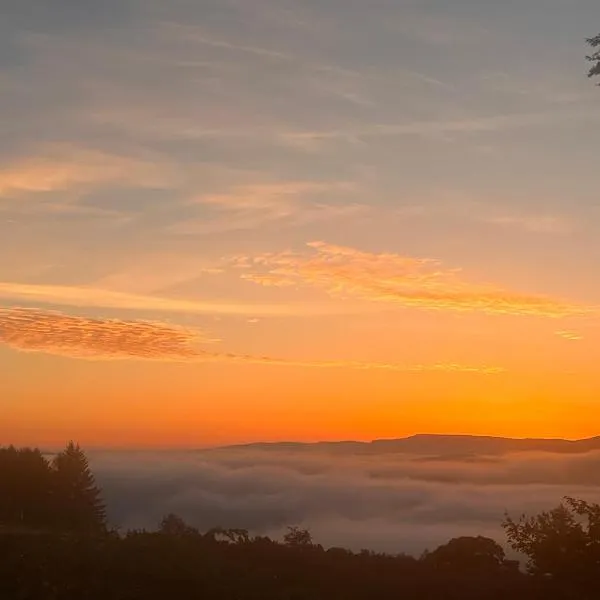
384	502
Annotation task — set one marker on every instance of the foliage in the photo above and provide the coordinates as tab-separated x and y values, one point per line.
174	525
595	56
54	545
38	494
152	565
468	553
78	498
562	544
26	487
298	537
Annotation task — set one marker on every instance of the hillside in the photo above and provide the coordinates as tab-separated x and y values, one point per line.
437	445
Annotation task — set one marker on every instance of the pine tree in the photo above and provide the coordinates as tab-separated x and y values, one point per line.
77	499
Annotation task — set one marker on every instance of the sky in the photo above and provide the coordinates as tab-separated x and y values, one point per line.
236	220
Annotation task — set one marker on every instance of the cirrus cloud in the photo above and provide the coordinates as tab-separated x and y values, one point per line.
62	168
94	297
257	205
51	332
392	278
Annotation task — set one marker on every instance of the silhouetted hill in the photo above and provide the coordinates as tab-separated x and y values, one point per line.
442	446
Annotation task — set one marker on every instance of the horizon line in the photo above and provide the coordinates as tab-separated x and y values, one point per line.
291	442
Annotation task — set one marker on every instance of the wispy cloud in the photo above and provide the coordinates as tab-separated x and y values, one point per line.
533	223
34	330
90	297
63	168
372	366
250	206
196	35
490	213
440	29
569	335
259	196
440	128
167	271
400	280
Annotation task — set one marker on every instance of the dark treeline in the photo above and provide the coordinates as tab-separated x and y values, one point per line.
55	545
61	494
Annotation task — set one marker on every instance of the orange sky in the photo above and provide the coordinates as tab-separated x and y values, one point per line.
121	404
216	230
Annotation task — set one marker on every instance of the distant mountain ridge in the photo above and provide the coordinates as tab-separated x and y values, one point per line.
436	445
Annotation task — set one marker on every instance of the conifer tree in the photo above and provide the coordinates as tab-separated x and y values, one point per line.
77	499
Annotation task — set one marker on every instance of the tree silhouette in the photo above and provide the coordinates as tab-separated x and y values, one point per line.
38	561
76	496
174	525
562	544
25	474
467	553
595	56
231	535
298	537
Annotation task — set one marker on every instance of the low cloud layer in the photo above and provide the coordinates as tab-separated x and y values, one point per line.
34	330
392	278
387	502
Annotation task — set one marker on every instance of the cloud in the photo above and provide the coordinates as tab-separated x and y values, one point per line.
83	337
569	335
64	168
190	33
250	206
372	366
387	502
83	296
533	223
259	196
441	29
34	330
443	128
168	270
391	278
491	213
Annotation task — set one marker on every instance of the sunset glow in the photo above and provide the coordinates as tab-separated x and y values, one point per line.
225	222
